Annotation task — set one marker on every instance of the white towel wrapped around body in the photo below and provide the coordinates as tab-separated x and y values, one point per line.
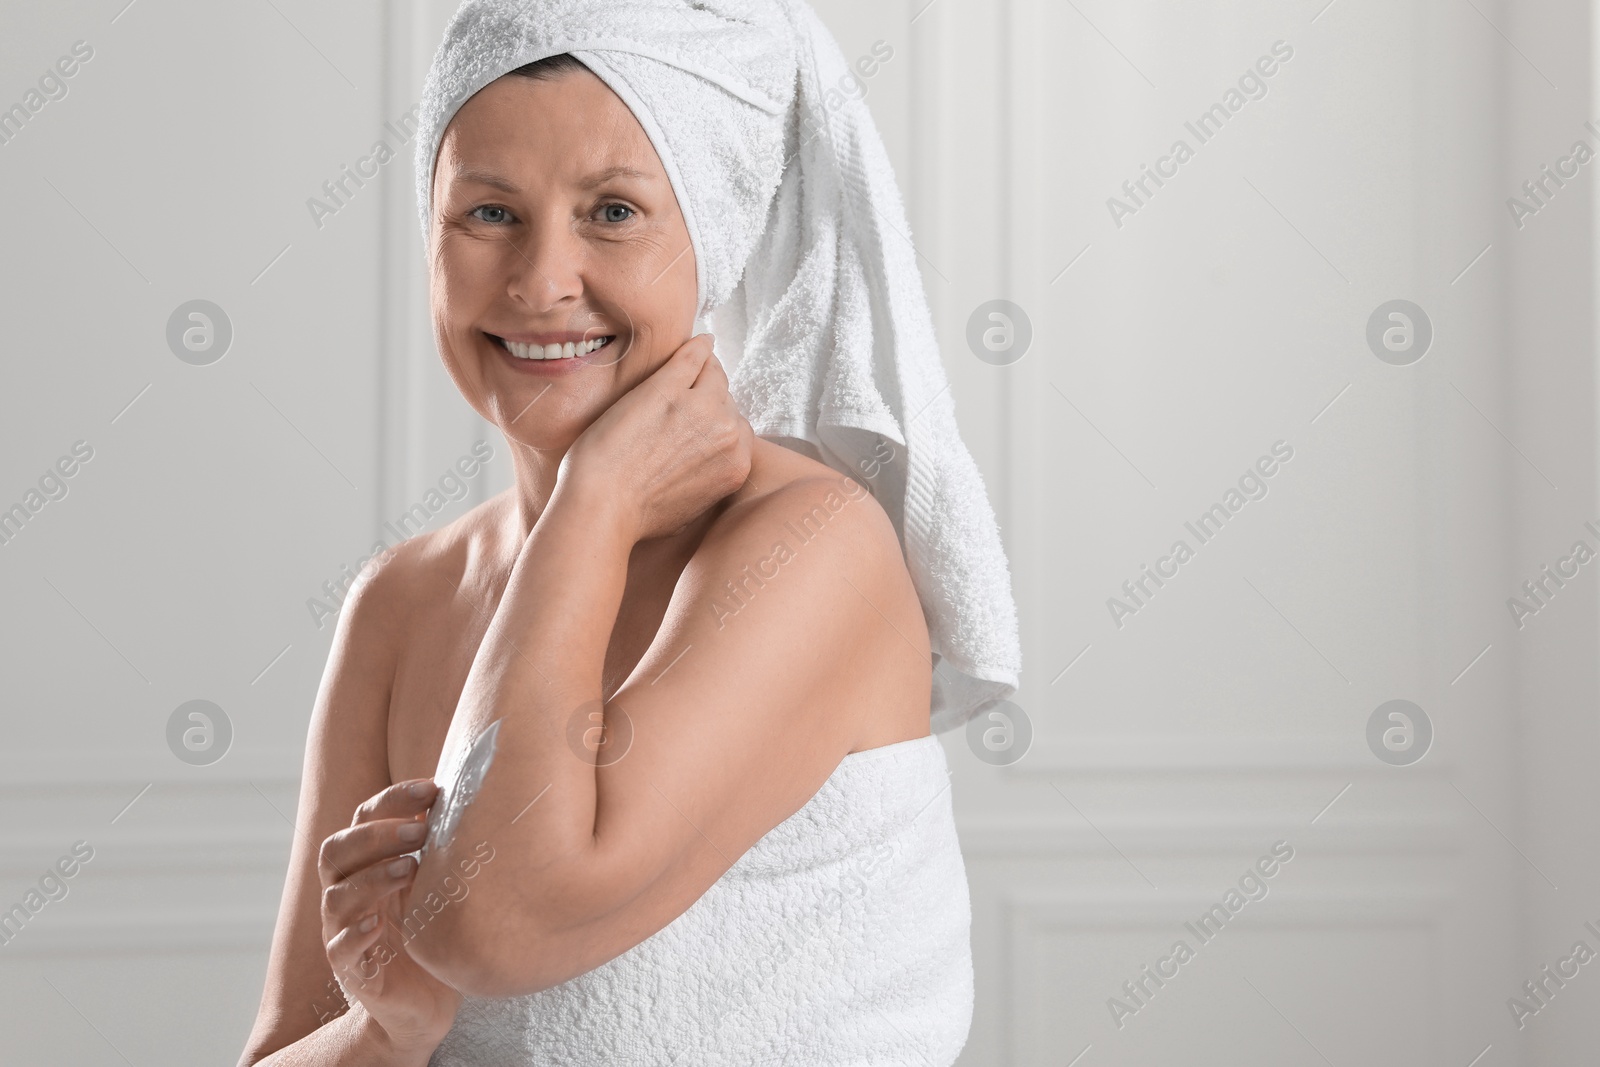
840	939
805	268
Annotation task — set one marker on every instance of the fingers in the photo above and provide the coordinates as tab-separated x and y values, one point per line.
683	367
402	800
712	373
387	824
347	949
347	902
728	429
348	851
363	865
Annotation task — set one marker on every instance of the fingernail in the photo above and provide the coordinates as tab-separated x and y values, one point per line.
400	866
421	789
368	923
412	831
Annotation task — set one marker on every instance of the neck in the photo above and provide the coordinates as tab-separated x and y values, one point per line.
534	473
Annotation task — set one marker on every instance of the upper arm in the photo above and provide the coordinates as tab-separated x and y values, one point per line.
737	713
346	761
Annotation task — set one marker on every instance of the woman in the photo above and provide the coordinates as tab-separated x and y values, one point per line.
675	683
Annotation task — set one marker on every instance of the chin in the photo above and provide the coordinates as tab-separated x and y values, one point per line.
545	416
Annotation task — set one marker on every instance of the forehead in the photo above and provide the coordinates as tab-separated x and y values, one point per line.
563	128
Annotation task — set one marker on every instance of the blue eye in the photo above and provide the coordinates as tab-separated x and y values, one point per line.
488	207
616	207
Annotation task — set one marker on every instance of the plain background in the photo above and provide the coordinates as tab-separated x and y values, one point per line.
1227	313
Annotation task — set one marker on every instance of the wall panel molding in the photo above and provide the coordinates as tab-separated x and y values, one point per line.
1214	754
996	838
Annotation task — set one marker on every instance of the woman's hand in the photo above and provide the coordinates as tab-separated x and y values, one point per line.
363	899
670	447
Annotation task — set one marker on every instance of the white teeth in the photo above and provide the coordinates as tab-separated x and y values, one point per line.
563	351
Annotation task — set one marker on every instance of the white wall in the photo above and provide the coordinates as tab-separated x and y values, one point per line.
1168	354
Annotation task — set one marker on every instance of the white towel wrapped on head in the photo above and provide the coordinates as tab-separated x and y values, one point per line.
805	270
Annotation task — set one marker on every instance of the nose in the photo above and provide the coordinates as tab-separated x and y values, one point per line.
544	268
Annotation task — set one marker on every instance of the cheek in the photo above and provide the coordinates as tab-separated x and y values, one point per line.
649	289
462	291
665	291
463	277
455	308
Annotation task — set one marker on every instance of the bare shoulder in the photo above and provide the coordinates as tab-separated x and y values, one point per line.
423	571
801	517
791	494
805	560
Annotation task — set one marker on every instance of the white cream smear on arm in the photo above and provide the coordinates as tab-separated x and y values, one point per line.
457	789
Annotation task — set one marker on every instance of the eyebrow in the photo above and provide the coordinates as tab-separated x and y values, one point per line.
600	177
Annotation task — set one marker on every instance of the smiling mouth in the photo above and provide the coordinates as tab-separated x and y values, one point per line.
570	350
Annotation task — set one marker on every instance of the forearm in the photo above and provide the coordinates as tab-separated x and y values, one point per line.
538	671
351	1040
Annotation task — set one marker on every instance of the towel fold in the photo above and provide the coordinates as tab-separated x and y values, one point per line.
805	269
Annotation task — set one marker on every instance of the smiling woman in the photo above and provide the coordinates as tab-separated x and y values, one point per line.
731	843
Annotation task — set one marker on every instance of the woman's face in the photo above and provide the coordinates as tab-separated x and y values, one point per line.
554	222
